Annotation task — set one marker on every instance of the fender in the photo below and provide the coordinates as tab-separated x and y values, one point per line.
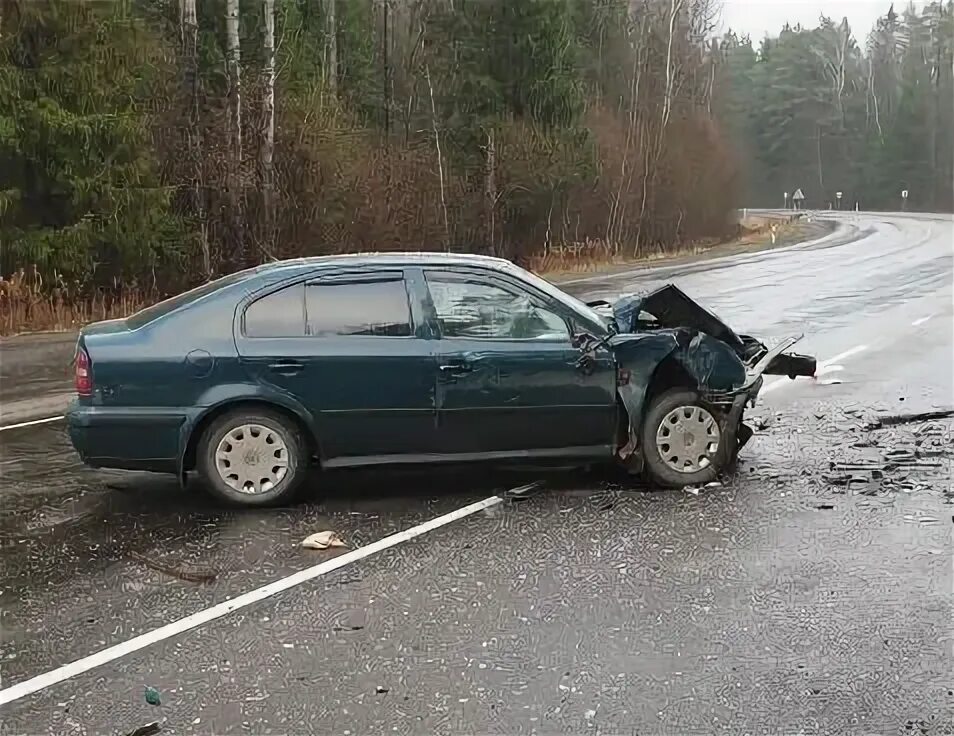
231	393
712	365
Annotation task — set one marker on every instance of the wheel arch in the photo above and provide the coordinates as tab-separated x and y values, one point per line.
669	374
197	428
635	399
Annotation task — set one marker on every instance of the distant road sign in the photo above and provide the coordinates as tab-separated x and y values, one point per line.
838	194
904	193
798	194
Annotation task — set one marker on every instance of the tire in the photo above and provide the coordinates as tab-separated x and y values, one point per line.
659	465
265	484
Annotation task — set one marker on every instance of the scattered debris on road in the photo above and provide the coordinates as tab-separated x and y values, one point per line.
381	690
522	493
148	730
918	519
891	420
190	576
323	540
887	455
152	696
711	485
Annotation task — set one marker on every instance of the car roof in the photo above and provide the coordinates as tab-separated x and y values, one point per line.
395	258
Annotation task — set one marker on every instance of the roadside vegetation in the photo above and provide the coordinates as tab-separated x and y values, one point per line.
148	145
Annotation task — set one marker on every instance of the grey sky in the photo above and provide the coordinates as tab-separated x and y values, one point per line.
766	17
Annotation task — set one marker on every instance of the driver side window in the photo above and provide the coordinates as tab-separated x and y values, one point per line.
474	309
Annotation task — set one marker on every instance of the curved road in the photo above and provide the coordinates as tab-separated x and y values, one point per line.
810	594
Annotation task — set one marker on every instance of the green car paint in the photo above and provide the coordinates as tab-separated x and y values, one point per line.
416	395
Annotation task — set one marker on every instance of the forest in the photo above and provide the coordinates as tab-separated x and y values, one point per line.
825	110
149	145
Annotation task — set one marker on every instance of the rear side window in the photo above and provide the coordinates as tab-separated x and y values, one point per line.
368	308
147	315
280	314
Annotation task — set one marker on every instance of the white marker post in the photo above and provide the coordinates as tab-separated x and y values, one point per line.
904	199
786	199
838	198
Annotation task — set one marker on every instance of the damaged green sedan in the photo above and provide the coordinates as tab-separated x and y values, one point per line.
382	359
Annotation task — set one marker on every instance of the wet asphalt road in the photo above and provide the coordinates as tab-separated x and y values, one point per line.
786	601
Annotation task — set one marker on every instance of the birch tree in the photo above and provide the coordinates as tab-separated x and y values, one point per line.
267	154
234	130
189	32
331	46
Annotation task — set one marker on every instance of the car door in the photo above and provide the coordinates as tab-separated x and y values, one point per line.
510	381
350	347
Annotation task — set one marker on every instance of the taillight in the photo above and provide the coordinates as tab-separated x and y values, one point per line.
83	378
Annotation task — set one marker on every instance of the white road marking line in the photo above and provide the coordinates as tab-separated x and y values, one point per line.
820	369
67	671
46	420
921	321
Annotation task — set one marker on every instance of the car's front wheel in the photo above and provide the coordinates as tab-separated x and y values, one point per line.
252	457
682	440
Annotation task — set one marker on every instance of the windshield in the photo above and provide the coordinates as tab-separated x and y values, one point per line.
149	314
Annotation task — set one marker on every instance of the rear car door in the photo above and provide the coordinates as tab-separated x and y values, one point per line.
510	381
349	347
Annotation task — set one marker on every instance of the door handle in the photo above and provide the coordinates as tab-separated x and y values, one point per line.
456	368
286	367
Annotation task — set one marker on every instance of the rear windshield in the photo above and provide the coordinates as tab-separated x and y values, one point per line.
147	315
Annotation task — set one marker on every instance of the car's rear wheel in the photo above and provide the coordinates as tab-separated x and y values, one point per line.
682	440
252	457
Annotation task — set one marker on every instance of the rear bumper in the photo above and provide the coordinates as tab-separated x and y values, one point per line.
138	438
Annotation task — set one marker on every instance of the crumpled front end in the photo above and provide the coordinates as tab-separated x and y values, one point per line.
670	308
651	362
666	340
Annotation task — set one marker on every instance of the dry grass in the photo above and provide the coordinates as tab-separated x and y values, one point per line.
25	306
596	256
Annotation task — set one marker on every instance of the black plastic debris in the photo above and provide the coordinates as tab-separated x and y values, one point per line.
890	420
825	506
381	690
522	493
837	479
761	423
190	576
148	730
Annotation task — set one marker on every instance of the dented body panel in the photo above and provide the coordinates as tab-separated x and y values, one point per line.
708	363
665	339
670	308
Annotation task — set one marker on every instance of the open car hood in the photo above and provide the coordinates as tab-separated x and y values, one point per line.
670	308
